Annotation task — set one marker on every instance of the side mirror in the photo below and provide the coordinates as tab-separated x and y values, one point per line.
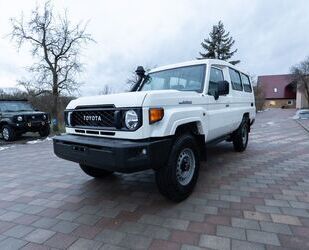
223	88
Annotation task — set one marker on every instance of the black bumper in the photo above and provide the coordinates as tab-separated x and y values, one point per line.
30	127
117	155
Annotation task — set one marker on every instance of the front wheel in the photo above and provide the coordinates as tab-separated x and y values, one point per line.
44	132
8	133
95	172
178	178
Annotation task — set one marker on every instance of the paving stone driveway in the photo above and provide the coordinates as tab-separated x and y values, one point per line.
258	199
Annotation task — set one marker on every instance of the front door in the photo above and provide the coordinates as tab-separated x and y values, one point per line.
218	111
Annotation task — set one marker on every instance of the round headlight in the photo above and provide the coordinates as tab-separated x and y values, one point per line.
19	118
131	119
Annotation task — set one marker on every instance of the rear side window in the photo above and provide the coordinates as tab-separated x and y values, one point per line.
246	83
216	75
235	79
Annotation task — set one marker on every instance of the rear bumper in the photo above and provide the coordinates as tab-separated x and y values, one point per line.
117	155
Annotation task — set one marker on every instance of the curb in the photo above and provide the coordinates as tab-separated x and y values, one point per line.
302	125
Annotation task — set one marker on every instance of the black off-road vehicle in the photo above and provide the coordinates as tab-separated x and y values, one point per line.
18	117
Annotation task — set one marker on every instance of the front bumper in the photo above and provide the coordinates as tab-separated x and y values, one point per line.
111	154
30	126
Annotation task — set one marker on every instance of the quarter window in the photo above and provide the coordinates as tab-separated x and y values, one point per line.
246	83
216	75
235	79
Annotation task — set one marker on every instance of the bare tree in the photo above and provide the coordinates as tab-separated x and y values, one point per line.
56	46
2	93
300	74
106	90
259	96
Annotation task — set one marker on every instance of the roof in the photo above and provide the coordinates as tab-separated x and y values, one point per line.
277	86
197	62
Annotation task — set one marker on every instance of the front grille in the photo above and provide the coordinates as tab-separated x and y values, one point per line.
33	118
93	118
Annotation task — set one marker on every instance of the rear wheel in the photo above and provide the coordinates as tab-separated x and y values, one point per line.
95	172
241	135
177	179
8	133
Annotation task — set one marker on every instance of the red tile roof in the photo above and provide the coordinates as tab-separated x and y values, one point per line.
280	82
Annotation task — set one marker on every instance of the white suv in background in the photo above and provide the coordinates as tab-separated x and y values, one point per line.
163	124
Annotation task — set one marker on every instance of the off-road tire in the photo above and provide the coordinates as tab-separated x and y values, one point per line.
166	177
95	172
240	137
11	134
44	132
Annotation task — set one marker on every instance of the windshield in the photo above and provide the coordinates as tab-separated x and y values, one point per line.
190	78
12	106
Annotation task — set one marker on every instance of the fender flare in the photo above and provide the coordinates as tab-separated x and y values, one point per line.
5	121
186	121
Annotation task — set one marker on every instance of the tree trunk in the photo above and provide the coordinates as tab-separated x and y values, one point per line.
55	115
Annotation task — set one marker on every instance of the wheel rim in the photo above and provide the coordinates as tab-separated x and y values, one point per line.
244	135
5	134
185	166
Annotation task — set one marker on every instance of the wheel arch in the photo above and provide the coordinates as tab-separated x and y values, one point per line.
2	123
195	129
247	116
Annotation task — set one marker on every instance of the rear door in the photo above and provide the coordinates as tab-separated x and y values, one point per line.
242	101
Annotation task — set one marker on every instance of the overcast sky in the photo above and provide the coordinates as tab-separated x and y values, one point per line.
270	35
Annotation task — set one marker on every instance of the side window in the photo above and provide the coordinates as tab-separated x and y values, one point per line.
216	75
235	79
246	83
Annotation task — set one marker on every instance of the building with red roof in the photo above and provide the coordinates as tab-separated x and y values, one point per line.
279	90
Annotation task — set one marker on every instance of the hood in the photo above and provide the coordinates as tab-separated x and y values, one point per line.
171	98
127	99
11	114
138	99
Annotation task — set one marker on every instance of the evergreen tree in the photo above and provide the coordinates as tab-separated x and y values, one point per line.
219	44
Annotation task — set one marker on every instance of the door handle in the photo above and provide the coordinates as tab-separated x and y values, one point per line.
227	105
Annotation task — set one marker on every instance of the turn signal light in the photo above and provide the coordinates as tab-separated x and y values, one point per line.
155	115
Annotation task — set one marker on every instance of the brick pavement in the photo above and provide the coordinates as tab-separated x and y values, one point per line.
258	199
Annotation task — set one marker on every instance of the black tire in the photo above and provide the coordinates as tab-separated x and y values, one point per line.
8	133
171	186
95	172
241	135
44	132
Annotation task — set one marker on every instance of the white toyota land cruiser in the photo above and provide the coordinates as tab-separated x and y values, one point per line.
163	124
